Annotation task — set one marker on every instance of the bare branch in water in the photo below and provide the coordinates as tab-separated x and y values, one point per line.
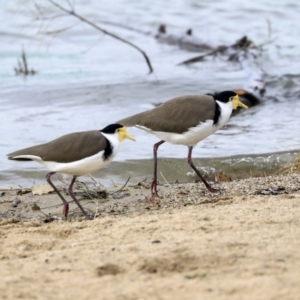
71	5
38	18
22	68
58	30
72	12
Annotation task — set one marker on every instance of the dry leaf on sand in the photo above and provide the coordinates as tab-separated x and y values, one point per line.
42	189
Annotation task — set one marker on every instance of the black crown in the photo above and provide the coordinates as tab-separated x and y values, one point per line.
111	128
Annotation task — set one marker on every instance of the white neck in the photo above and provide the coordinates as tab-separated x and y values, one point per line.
226	110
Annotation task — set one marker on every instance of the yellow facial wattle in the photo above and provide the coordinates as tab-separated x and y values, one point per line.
236	102
124	135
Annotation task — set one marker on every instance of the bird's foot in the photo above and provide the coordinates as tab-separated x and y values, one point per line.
154	196
154	193
66	210
88	217
213	190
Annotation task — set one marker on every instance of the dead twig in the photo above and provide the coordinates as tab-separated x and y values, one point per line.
72	12
292	167
161	174
48	219
121	187
87	193
95	180
6	201
58	30
142	183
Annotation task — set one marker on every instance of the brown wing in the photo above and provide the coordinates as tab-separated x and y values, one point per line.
176	115
68	148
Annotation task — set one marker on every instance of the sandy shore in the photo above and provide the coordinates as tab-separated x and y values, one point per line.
242	243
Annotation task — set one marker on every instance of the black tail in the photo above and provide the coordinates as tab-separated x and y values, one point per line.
20	159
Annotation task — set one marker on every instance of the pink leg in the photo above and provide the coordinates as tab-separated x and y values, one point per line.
71	193
190	162
65	203
154	181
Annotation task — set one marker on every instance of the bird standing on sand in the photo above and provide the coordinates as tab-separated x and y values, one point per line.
185	120
76	154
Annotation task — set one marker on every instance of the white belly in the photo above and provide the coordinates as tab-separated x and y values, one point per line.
84	166
189	138
195	134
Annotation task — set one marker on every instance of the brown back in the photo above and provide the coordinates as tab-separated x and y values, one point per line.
68	148
176	115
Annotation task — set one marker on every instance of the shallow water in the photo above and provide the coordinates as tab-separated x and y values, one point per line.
86	80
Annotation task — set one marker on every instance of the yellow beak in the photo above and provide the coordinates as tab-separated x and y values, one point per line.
124	135
236	102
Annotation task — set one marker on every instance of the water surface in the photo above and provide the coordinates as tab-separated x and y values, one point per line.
86	80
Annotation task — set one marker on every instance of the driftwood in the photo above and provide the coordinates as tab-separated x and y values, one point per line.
244	51
238	50
185	40
235	52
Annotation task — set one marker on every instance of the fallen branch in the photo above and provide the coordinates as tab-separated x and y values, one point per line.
203	56
242	45
120	190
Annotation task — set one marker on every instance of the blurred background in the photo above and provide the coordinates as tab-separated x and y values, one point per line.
73	77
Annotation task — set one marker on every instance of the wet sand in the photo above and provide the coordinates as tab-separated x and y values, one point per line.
242	243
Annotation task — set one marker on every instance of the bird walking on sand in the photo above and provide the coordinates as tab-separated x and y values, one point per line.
185	120
76	154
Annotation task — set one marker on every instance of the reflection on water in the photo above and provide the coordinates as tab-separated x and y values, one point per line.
80	86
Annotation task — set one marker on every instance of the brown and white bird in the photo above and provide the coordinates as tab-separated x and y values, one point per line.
76	154
185	120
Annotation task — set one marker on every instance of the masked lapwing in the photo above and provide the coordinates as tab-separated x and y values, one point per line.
76	154
185	120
